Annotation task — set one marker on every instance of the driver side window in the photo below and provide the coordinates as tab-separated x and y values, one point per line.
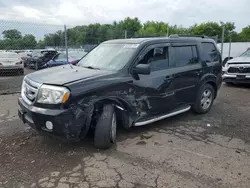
157	57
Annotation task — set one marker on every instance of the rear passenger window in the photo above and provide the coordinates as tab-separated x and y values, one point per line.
210	52
184	55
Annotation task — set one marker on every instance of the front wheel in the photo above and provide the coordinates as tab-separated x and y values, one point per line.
204	100
105	131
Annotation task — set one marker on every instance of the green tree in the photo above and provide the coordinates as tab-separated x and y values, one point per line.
208	29
93	34
245	34
54	39
12	34
48	40
153	28
29	41
40	44
174	29
131	25
229	28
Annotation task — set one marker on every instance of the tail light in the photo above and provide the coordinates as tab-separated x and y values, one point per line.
74	62
18	63
1	64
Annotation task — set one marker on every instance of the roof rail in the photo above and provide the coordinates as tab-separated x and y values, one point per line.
147	36
183	35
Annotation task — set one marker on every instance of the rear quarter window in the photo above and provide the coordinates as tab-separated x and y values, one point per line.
210	53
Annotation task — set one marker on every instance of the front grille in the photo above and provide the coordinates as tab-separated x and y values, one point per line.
239	70
29	90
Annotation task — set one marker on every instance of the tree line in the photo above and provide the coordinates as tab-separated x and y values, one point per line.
127	28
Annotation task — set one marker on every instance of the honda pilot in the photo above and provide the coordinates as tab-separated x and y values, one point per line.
123	82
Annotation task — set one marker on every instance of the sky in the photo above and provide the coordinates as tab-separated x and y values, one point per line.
79	12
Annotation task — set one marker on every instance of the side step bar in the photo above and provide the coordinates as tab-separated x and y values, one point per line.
162	117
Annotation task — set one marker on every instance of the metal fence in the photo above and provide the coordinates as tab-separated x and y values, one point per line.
27	47
18	40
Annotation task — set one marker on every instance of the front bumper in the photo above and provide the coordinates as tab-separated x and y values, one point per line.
68	124
235	79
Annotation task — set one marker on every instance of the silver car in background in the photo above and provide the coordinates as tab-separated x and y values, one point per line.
10	64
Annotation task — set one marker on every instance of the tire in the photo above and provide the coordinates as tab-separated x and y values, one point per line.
21	72
104	136
206	94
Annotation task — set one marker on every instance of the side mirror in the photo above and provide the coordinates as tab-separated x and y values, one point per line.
142	69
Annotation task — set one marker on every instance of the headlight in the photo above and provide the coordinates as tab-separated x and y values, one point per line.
52	94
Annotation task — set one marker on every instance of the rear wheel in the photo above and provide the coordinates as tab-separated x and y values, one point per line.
205	99
105	131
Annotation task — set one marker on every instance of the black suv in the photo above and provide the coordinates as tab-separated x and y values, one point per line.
126	82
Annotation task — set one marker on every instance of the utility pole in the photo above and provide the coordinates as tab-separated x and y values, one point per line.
222	39
229	52
66	42
167	31
125	34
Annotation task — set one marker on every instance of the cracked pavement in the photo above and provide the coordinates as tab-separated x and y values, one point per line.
187	150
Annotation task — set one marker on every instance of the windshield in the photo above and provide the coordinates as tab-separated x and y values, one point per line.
61	57
109	56
245	54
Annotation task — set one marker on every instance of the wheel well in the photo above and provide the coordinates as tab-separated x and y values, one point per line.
213	84
225	60
120	108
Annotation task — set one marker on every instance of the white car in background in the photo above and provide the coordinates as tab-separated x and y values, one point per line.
10	63
237	70
236	49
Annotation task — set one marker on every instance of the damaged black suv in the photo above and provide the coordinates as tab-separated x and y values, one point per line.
126	82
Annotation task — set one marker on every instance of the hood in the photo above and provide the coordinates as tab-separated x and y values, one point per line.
239	60
66	74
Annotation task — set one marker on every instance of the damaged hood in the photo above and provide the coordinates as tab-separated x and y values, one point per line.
66	74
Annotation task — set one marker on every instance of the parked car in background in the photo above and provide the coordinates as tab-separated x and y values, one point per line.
237	70
39	58
236	49
10	62
61	58
24	57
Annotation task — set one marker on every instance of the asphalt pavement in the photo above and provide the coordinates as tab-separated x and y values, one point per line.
12	83
188	150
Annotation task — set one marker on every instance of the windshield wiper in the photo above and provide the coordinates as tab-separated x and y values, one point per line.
90	67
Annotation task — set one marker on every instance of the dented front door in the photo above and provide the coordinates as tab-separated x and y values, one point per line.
159	90
158	87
